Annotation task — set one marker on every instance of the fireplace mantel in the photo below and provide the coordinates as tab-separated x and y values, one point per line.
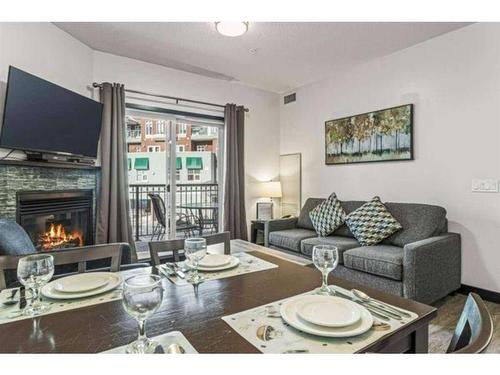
41	164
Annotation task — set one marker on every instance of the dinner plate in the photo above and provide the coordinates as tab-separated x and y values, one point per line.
328	311
289	314
114	280
233	263
215	260
80	283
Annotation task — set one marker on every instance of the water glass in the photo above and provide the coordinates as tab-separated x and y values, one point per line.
142	296
34	272
195	250
325	258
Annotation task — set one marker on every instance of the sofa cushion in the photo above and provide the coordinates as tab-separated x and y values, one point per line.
419	221
380	260
342	243
348	207
372	223
290	239
327	216
304	220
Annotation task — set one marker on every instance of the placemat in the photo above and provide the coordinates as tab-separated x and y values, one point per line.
12	313
265	330
248	264
164	340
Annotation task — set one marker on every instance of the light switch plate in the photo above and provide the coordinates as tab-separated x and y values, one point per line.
488	185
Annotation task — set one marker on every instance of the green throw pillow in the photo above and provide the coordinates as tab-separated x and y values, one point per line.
327	216
372	222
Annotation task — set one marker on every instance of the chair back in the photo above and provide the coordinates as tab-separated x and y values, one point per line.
158	208
174	245
474	328
80	255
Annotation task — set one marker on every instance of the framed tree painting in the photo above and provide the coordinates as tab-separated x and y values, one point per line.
384	135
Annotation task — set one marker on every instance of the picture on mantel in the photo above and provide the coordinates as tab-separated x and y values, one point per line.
384	135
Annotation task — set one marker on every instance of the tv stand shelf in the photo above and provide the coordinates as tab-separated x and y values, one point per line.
44	164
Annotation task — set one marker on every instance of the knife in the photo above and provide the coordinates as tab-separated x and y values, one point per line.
22	297
372	310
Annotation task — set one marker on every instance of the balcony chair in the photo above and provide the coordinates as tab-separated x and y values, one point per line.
184	222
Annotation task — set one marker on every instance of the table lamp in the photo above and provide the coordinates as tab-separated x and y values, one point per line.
271	189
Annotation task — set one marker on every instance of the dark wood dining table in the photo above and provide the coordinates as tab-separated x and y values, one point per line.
104	326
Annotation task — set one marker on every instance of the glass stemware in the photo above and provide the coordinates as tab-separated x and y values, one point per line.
142	296
34	272
325	258
195	250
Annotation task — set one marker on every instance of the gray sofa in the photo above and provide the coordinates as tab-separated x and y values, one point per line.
421	262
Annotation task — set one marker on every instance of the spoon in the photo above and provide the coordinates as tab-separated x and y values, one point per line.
175	349
366	298
10	300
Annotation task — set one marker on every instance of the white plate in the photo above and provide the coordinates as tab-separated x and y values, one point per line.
80	283
289	314
114	280
233	263
215	260
328	311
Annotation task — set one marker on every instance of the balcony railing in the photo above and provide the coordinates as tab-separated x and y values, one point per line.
196	212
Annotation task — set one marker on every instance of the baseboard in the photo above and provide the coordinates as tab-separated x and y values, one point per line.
487	295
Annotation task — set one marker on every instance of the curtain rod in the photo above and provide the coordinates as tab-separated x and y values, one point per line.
177	100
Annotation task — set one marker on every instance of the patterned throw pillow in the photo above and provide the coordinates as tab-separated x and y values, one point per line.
372	223
327	216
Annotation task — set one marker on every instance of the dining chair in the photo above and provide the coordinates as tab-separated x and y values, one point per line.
474	328
174	245
80	256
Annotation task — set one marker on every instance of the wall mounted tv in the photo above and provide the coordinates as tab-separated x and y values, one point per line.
40	116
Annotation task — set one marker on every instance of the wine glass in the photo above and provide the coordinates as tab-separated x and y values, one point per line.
142	296
325	258
195	250
33	272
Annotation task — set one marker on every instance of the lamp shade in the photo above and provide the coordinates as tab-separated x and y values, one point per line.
270	189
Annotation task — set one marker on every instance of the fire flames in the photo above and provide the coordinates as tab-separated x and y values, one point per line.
57	238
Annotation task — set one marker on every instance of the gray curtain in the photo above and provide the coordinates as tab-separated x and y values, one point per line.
113	218
234	190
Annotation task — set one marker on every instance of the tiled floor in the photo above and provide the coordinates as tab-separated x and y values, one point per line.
449	309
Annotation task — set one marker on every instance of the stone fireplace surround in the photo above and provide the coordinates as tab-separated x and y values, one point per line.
23	175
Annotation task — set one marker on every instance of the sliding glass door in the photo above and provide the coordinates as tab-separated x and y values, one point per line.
175	168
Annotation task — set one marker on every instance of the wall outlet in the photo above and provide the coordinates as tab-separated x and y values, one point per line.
485	186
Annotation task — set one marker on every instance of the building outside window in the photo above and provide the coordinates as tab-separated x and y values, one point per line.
201	148
153	148
177	175
149	127
180	148
142	176
181	130
160	127
194	175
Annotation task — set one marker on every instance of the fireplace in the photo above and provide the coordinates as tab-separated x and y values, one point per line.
56	220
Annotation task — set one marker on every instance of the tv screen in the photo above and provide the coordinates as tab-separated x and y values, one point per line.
41	116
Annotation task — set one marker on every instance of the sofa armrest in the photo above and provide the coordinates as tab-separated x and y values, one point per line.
278	224
432	267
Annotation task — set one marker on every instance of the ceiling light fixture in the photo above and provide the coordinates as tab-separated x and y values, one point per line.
231	28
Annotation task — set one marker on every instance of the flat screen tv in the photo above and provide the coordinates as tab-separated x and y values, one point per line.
42	117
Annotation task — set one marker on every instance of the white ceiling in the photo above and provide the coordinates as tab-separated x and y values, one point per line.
272	56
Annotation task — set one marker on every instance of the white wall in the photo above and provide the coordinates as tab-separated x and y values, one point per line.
46	51
454	83
261	122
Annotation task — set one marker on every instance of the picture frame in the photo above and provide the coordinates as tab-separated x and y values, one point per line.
376	136
264	210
